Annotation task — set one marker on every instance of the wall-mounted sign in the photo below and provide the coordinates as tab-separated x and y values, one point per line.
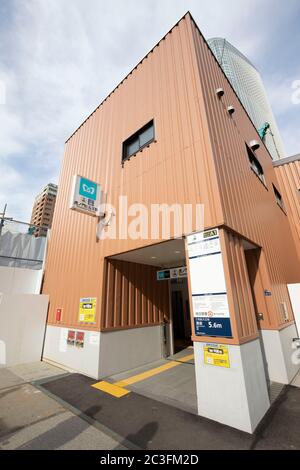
172	273
79	342
163	275
177	273
87	310
71	337
85	196
216	355
210	305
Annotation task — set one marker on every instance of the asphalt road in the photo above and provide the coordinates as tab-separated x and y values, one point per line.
45	408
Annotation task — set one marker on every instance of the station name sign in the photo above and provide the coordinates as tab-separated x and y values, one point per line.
173	273
85	195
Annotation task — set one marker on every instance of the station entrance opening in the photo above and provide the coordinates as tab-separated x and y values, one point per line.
170	262
180	314
170	377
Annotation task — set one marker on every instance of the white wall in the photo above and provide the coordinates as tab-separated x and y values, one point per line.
104	354
235	396
294	291
22	328
126	349
84	360
278	351
20	280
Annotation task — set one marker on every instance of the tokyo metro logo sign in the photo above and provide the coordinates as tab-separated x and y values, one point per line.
85	195
88	189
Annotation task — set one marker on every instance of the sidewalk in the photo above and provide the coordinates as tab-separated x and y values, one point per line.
29	419
43	407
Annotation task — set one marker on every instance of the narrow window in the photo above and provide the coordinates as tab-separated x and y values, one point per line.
137	141
278	198
256	166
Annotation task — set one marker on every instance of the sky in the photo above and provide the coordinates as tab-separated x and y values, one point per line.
60	58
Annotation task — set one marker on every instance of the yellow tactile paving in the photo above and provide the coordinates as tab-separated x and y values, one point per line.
112	389
117	389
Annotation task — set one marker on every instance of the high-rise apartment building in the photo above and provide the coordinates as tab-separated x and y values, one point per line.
249	87
43	209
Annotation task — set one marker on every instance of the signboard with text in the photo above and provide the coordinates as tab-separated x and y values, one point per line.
216	355
172	273
86	195
87	310
210	304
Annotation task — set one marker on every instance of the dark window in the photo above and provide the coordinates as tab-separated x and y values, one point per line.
138	140
278	198
256	166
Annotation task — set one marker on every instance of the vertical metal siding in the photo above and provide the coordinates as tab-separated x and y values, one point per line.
288	176
177	168
199	156
248	207
133	288
239	292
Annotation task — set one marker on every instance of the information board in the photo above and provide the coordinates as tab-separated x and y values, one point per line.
210	304
87	310
216	355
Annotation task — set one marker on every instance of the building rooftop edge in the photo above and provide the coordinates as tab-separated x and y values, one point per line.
284	161
188	13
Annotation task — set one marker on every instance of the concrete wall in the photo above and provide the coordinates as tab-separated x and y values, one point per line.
104	354
126	349
236	396
20	280
278	351
22	327
84	360
294	291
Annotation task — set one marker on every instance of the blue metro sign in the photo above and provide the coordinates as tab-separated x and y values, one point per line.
213	327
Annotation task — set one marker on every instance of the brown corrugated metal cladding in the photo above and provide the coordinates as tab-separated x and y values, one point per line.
239	295
177	167
133	296
198	156
249	207
288	175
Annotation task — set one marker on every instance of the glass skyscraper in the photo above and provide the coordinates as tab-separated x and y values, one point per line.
249	87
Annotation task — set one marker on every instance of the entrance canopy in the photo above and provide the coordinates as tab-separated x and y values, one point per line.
165	254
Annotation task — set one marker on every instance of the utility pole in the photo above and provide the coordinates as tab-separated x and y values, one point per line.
3	219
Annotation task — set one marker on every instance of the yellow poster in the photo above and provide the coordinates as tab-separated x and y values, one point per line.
87	310
216	355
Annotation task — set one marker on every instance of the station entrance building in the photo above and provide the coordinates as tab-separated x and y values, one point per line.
174	132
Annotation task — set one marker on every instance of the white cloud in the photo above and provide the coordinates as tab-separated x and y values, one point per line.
280	92
60	58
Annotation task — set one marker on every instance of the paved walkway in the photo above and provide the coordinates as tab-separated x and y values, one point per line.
30	419
171	381
43	407
151	424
